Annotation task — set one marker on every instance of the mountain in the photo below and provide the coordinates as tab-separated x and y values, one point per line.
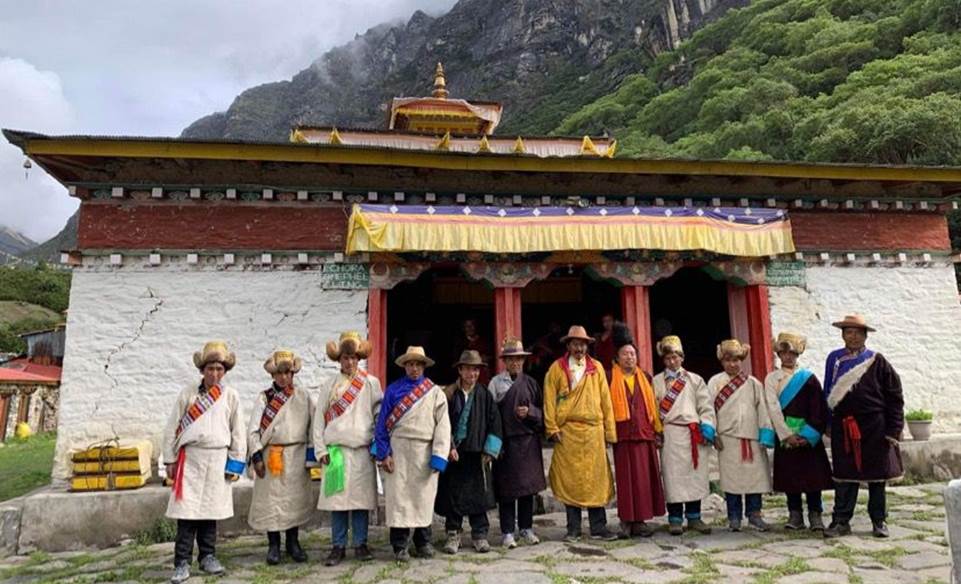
12	244
49	251
543	59
864	81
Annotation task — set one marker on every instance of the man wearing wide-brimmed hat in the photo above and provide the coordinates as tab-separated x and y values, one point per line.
278	440
344	421
204	447
799	415
579	419
864	395
412	444
687	418
519	472
466	487
744	434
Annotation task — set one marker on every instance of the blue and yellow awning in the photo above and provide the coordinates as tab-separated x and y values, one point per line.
743	232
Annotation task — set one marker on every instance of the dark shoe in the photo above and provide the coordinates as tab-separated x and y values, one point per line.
424	551
294	550
402	555
604	535
642	529
572	537
880	529
273	548
699	526
815	521
626	530
837	529
675	529
757	522
362	553
336	556
795	520
734	524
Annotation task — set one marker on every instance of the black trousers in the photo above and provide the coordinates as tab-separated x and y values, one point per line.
479	524
203	530
595	515
400	537
517	513
846	498
794	502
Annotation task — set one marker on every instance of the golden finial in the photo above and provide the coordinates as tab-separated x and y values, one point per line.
484	145
440	83
444	143
297	136
588	147
519	146
612	149
335	138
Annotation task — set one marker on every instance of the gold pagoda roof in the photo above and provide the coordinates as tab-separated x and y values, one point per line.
439	114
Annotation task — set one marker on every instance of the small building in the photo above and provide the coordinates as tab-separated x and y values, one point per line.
30	393
435	229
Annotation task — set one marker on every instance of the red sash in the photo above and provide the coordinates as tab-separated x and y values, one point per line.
408	401
204	402
667	402
728	390
697	438
273	406
340	406
852	439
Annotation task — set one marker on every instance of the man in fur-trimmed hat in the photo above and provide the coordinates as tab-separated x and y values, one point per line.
343	432
867	406
688	422
744	434
278	440
411	443
204	447
799	415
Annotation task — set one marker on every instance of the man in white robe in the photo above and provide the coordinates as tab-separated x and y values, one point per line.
343	434
204	437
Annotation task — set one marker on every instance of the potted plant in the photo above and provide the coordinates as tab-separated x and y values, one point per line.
919	422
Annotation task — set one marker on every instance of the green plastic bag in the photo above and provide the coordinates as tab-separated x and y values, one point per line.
795	424
334	473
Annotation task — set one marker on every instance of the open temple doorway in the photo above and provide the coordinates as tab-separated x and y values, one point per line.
445	313
693	306
569	296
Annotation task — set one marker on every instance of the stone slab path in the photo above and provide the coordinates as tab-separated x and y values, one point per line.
916	553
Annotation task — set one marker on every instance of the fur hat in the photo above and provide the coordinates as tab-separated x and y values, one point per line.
282	361
577	332
670	344
733	347
414	354
350	343
853	321
215	352
790	342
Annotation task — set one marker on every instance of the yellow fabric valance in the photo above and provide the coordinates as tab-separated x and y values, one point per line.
742	232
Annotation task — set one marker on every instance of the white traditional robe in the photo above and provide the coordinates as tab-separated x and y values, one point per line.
774	384
353	432
683	482
212	439
283	501
410	490
743	416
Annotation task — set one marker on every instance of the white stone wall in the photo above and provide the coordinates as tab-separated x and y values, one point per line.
918	316
131	336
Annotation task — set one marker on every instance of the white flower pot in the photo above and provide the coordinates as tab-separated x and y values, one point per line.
920	429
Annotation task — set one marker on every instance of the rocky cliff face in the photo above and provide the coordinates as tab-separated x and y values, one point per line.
542	58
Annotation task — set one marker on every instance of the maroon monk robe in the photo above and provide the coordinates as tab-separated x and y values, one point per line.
640	496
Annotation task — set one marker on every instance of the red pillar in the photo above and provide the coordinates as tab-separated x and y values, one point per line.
636	309
759	329
377	333
507	317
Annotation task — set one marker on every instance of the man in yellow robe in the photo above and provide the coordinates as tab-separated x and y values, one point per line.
579	419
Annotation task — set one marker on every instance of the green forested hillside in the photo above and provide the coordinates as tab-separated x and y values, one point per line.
873	81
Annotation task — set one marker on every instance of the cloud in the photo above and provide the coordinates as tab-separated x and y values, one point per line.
152	68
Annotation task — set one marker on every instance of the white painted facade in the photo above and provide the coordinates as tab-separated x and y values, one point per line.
132	333
916	311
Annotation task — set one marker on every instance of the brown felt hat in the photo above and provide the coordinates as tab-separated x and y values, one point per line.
414	354
513	348
853	321
577	332
470	357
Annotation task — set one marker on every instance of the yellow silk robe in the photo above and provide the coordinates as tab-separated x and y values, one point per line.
580	473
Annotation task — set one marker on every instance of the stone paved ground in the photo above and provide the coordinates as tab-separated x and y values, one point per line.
917	552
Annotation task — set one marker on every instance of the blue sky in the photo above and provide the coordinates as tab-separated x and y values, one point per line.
149	68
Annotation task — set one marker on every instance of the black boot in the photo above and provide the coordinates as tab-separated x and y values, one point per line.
273	548
296	552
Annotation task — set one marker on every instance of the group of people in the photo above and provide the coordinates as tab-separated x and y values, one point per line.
464	449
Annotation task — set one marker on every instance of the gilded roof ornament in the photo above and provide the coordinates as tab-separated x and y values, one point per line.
440	83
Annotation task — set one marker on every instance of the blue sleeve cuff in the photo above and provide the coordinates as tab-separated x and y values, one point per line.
235	466
708	432
311	455
810	434
766	437
438	463
373	449
493	445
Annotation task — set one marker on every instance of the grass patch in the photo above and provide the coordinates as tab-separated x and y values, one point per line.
924	516
160	531
788	568
25	464
702	570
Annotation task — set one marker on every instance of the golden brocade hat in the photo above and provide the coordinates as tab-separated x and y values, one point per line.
670	344
733	347
790	342
215	352
853	321
282	361
350	343
414	354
